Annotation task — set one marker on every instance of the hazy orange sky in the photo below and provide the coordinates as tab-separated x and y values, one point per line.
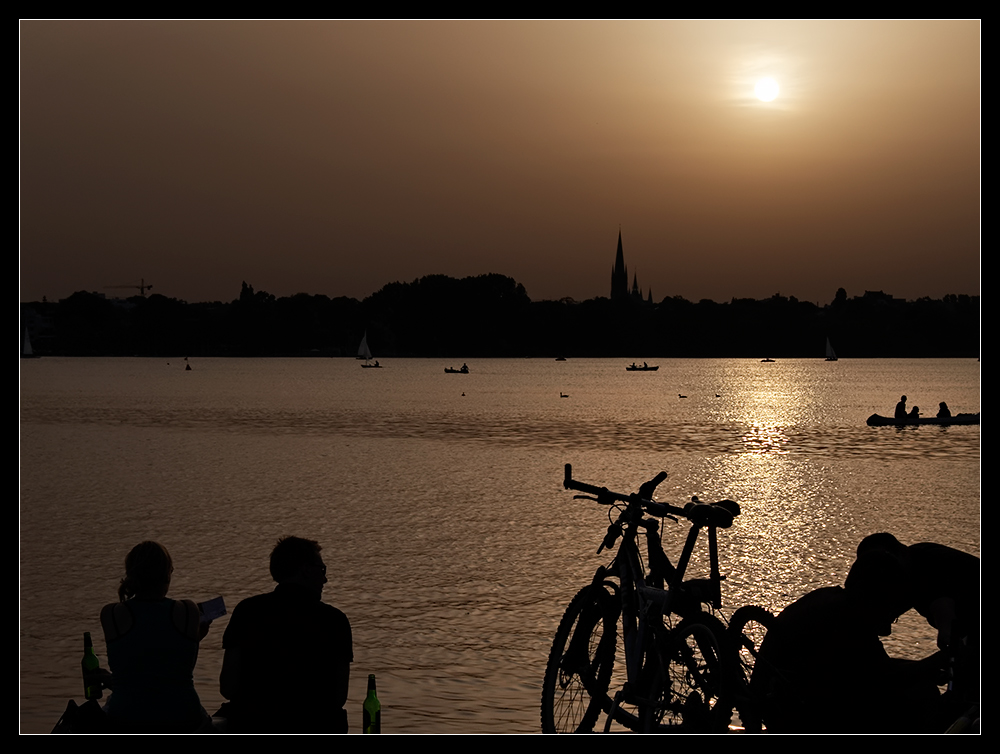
335	157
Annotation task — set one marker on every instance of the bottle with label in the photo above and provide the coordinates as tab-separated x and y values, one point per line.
90	665
371	720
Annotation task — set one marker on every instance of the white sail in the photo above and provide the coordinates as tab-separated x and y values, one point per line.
830	354
363	351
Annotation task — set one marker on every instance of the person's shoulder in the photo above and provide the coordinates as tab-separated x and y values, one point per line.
338	627
248	608
934	547
108	620
332	613
247	617
334	620
813	603
801	626
824	594
930	551
116	620
186	618
255	599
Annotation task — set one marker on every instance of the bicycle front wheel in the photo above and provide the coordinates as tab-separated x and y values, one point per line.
689	694
575	689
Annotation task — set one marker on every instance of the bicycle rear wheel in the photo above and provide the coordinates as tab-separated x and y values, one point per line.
691	687
575	689
747	630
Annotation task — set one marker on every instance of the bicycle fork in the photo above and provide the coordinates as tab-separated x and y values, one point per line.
643	659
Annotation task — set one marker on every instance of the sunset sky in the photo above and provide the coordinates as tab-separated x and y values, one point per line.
335	157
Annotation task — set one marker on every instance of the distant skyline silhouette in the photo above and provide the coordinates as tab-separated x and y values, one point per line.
333	157
493	316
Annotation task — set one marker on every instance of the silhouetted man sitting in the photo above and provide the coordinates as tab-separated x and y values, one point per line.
288	655
900	413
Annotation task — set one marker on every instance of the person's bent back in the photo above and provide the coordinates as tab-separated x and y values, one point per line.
822	667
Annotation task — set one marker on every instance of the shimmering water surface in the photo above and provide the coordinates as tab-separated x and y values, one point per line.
437	498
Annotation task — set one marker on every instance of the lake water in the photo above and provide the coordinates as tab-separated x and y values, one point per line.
450	542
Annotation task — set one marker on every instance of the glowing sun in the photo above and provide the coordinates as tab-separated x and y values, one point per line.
766	89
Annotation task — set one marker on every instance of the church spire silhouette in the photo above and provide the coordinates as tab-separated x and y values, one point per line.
619	278
619	274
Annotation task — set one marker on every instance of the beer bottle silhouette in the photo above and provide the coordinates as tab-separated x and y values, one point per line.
90	664
371	718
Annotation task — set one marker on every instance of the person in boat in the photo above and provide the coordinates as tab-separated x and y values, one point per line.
914	416
152	647
465	369
943	411
822	667
942	584
288	637
900	414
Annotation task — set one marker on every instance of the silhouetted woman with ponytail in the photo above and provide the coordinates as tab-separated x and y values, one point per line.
152	645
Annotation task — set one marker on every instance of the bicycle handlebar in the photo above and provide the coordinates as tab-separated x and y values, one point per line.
720	514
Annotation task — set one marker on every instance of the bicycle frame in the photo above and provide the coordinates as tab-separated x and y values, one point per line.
643	606
672	676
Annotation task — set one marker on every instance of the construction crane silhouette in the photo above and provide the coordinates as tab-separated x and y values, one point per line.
142	287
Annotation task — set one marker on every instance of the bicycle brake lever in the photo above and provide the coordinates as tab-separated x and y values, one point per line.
585	497
614	531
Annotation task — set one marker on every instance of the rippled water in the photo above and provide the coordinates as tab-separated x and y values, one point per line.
451	544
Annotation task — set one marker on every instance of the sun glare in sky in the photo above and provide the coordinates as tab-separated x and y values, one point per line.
331	157
766	89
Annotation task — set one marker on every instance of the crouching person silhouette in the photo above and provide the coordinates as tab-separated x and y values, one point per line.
943	586
288	654
823	669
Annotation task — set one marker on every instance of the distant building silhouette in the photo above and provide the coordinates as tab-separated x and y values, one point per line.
619	274
619	279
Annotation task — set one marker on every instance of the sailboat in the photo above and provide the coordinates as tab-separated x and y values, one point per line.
365	353
26	350
830	354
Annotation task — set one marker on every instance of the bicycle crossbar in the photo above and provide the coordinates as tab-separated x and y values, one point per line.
659	597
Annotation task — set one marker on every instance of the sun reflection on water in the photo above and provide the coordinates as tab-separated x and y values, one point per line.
773	403
796	531
762	438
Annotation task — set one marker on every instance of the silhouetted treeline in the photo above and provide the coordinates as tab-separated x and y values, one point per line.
491	315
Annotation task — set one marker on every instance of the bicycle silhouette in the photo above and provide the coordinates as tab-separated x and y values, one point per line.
684	671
